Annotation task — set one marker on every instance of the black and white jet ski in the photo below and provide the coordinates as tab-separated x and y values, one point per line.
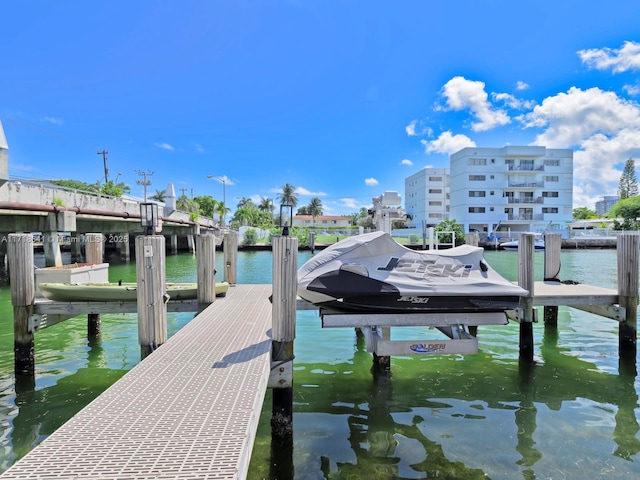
373	273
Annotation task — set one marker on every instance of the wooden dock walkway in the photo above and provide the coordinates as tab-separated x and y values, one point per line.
188	411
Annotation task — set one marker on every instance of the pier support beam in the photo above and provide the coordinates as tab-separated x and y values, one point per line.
285	268
20	252
173	244
94	253
628	245
124	246
3	248
51	248
526	281
76	247
230	255
152	307
552	247
191	244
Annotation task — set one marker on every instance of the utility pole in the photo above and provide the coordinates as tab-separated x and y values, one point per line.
104	160
144	182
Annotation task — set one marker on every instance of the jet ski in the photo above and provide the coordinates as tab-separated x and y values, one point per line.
372	273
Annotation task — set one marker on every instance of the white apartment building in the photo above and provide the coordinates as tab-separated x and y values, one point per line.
426	197
513	188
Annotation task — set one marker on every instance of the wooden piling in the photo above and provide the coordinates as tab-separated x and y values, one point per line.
152	307
526	281
230	256
552	248
312	242
94	253
76	247
285	283
472	239
21	278
628	250
206	258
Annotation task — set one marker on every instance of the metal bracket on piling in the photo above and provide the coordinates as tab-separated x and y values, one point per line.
281	375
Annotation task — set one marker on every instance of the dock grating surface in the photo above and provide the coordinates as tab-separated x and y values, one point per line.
188	411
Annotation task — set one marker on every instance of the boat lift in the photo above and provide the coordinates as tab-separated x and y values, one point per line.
458	328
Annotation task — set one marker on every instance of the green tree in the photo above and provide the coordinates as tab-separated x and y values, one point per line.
187	204
206	204
303	210
627	209
628	186
315	209
450	225
288	195
266	205
583	213
159	196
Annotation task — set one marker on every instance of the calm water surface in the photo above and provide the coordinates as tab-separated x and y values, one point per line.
573	416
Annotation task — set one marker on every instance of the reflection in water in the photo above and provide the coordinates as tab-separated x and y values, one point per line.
463	418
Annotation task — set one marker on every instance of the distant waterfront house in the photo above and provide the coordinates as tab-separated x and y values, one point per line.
321	221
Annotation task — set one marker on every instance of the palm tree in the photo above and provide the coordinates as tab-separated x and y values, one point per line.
158	196
221	209
288	195
315	209
266	205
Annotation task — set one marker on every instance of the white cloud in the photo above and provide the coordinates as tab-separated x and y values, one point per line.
521	85
601	127
447	143
618	60
407	162
198	148
304	191
513	102
350	203
572	117
632	90
53	120
418	128
370	182
164	146
463	94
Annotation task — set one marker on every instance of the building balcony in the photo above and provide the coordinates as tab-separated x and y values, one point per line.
525	184
527	200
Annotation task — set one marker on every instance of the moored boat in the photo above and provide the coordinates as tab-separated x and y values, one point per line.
538	243
118	292
372	273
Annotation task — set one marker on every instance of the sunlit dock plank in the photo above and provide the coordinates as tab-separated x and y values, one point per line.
188	411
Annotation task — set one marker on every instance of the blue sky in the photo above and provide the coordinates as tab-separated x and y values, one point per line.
342	99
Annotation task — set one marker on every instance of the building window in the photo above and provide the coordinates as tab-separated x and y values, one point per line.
551	178
435	179
550	194
491	209
477	178
435	215
549	210
477	193
435	203
477	161
552	163
435	190
476	209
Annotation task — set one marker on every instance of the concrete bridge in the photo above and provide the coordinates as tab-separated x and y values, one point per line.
27	206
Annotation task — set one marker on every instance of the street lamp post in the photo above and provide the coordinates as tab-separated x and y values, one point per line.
223	181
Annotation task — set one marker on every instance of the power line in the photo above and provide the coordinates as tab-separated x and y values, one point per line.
106	170
144	182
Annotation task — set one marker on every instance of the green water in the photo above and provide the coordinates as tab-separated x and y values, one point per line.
572	416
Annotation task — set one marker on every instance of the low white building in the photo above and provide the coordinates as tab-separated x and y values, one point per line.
321	221
427	197
513	188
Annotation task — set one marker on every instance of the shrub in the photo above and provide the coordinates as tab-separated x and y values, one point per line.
250	237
